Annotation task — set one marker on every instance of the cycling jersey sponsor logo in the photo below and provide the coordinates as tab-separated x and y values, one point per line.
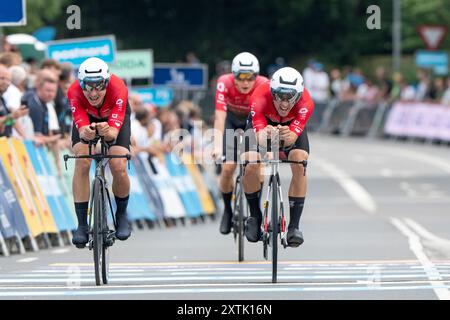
221	97
297	130
221	87
252	113
114	115
117	124
119	102
303	111
296	123
73	109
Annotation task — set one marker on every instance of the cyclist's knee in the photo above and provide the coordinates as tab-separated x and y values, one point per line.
228	170
252	170
118	166
298	155
82	166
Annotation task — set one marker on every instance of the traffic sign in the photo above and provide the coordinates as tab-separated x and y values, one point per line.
437	60
77	50
432	35
181	75
13	13
133	64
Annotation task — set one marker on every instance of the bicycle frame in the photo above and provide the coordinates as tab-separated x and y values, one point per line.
100	235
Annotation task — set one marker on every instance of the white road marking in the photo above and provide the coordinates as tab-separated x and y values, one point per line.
423	157
418	250
424	233
275	288
198	278
27	260
350	185
60	251
386	173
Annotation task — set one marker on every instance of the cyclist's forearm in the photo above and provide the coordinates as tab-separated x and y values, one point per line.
219	125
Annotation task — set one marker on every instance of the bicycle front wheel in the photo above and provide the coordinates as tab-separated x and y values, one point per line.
274	233
97	236
240	224
105	251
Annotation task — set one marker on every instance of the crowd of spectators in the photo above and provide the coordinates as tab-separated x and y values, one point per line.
351	84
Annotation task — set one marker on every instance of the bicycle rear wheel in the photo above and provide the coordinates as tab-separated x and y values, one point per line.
97	236
274	232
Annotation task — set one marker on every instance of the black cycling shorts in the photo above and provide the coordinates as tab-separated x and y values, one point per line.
302	142
123	138
233	127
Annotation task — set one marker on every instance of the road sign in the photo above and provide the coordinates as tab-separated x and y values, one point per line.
13	13
432	35
181	75
133	64
436	60
159	96
77	50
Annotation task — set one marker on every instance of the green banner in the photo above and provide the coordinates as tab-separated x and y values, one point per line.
132	64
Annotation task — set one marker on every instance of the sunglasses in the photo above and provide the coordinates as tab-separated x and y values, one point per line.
245	76
91	85
290	96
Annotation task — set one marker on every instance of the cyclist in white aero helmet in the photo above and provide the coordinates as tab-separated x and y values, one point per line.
280	110
232	109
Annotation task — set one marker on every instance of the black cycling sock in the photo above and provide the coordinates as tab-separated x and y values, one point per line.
122	204
81	209
227	202
253	202
296	208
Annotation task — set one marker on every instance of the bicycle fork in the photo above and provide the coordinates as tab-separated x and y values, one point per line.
281	218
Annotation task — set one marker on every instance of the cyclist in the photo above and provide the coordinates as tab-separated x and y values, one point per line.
99	102
232	109
279	110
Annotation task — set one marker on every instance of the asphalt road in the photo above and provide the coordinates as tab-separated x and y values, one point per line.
376	226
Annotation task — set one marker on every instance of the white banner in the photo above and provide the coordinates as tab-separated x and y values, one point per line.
419	120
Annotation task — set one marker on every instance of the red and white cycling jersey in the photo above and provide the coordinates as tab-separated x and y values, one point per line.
263	109
228	98
113	107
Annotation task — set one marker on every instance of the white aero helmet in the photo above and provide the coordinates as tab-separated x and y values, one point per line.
287	84
93	72
245	63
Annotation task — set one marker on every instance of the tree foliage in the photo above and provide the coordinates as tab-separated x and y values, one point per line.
334	30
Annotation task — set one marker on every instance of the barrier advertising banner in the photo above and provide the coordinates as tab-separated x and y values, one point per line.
419	120
30	179
14	212
14	172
